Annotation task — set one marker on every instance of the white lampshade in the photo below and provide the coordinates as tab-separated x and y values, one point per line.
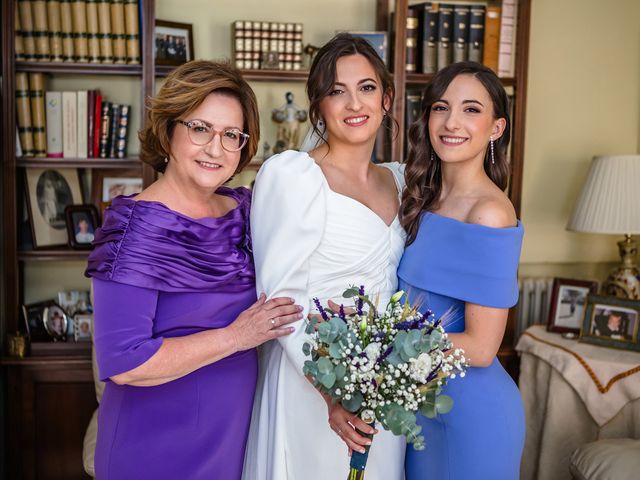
610	199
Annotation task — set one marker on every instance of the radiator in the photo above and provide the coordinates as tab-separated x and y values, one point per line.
534	302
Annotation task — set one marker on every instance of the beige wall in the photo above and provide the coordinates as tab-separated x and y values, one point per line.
583	100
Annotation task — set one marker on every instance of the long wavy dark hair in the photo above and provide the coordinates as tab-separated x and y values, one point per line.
423	173
322	75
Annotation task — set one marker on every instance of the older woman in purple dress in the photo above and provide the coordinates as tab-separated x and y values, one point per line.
176	316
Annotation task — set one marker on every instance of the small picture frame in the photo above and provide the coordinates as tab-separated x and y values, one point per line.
56	322
75	301
611	322
49	191
83	327
32	316
173	43
568	299
82	222
106	184
378	40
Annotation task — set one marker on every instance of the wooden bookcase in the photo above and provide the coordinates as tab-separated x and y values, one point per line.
48	399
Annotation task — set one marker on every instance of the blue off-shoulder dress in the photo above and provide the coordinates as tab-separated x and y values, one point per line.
450	263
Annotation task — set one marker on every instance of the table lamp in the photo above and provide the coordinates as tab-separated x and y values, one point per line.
610	203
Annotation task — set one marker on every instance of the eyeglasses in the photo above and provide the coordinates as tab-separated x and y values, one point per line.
201	133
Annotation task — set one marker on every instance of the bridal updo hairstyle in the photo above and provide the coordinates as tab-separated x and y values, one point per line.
322	75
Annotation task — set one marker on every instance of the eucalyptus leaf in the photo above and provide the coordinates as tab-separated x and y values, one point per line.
350	292
306	348
354	403
335	350
327	379
324	365
444	403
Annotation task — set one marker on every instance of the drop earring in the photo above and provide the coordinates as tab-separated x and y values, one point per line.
493	157
433	157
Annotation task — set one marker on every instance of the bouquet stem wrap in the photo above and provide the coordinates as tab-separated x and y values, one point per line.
359	460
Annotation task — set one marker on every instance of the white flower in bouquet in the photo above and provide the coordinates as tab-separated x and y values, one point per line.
420	368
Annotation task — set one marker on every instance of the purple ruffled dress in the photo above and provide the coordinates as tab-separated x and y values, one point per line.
159	274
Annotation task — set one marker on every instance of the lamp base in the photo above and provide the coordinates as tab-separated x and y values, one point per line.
624	281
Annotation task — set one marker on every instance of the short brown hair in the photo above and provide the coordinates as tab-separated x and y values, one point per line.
322	75
184	90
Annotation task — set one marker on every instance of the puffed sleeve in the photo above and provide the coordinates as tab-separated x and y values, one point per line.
397	169
123	326
287	223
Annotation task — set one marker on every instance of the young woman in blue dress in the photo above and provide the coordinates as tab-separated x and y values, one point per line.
463	248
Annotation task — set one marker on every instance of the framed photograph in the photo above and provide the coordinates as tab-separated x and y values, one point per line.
107	184
45	321
173	43
82	221
75	301
83	327
378	41
568	300
611	322
49	191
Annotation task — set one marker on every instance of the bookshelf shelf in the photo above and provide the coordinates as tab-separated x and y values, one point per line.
62	253
116	163
254	75
79	68
422	79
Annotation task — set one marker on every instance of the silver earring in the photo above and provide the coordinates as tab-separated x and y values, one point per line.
433	157
166	160
493	156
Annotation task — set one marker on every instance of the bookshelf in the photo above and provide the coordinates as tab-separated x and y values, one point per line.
49	396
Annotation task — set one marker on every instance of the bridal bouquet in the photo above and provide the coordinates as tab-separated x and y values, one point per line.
383	366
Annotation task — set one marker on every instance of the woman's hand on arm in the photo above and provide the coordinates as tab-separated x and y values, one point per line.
179	356
484	330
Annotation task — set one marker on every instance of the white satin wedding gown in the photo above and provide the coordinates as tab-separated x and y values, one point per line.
309	241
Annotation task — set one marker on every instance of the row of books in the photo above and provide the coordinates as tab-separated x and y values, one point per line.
93	31
442	33
81	124
267	45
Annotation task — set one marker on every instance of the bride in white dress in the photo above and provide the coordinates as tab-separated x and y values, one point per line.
320	223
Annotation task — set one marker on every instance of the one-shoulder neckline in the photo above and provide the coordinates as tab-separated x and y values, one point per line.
225	191
475	225
342	195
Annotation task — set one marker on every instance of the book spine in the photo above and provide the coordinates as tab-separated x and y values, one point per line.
445	35
66	26
104	129
492	37
256	45
506	55
97	122
121	134
83	128
91	105
476	33
460	32
118	36
55	30
79	25
19	40
26	24
69	125
53	102
297	46
411	64
23	107
132	31
93	31
41	30
429	37
237	43
113	129
104	28
38	125
412	112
